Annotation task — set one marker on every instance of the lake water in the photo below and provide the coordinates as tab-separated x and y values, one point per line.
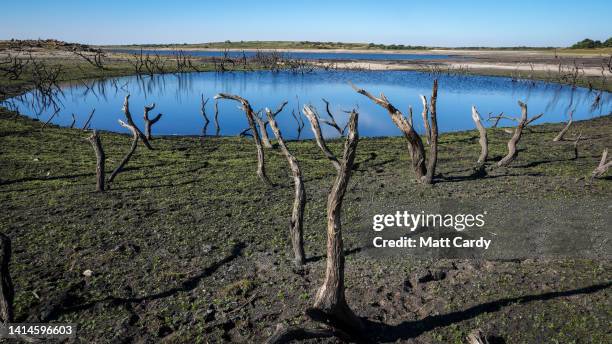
302	55
178	97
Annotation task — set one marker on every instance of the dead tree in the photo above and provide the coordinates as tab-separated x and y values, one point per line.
86	125
484	143
559	136
265	140
217	127
518	131
424	174
130	121
203	113
129	154
299	123
100	160
7	292
313	118
330	299
297	215
150	121
424	114
250	115
603	166
332	122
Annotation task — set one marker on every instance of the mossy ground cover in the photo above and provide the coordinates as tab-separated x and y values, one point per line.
188	245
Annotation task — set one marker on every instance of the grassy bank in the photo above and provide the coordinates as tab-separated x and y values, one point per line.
189	246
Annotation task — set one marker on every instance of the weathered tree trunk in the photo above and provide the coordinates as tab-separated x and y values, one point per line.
130	121
416	147
248	110
149	122
484	143
518	131
296	225
265	140
128	156
425	120
313	118
330	298
559	136
433	136
217	127
100	160
7	292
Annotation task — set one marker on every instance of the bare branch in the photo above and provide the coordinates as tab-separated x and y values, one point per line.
484	143
313	118
248	110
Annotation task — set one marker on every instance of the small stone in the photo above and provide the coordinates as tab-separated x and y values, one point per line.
87	273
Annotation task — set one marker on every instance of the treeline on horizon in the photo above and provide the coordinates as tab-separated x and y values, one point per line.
588	43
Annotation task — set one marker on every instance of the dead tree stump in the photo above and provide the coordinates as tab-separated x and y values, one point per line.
559	136
150	121
100	160
296	231
130	121
248	110
416	149
516	136
128	156
330	298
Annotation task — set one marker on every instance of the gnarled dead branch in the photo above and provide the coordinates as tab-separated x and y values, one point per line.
50	118
332	122
250	115
296	224
603	166
129	154
484	143
100	160
299	123
559	136
424	114
416	149
150	121
330	298
263	129
130	121
313	118
518	131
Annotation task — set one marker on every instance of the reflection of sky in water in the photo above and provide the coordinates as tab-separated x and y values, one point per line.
178	98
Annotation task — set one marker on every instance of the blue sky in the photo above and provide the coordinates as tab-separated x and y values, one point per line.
439	23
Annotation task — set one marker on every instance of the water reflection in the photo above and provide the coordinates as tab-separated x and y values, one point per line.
179	96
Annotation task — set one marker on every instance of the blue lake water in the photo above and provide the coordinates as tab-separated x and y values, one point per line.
178	97
302	55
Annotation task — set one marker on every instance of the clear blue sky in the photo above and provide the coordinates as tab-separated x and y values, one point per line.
437	23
